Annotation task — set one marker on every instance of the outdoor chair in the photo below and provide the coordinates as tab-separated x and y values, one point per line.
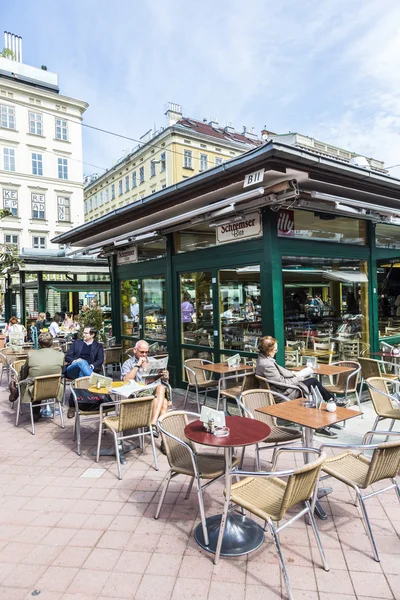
383	401
349	349
198	379
268	496
183	459
248	403
346	383
370	367
134	413
359	471
266	384
45	391
245	381
112	358
291	358
16	373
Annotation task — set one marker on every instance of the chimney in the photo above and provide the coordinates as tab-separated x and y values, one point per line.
173	113
13	44
249	134
214	123
229	128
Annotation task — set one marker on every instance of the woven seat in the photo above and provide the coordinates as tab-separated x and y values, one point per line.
269	497
198	379
45	391
383	400
184	460
359	471
248	403
247	381
346	383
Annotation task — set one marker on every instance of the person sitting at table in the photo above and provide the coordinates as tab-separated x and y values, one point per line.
68	322
44	361
133	368
39	324
268	367
15	332
55	328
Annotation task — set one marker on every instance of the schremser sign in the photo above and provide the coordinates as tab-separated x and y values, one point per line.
249	227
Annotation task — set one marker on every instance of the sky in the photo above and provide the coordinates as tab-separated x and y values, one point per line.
324	68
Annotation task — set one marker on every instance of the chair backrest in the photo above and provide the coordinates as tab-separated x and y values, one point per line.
385	463
135	413
112	355
81	383
45	387
263	383
385	347
369	367
350	378
174	424
253	399
326	345
295	344
195	365
291	358
350	348
250	382
17	366
301	484
378	387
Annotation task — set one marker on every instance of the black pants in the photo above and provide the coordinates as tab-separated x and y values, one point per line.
313	382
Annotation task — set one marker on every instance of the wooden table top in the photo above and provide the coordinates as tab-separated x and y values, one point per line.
222	368
292	410
243	432
326	369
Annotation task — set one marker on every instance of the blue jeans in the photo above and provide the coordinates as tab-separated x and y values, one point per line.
80	368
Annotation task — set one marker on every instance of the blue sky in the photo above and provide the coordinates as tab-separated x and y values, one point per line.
325	68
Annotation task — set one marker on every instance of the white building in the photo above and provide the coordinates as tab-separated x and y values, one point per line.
41	176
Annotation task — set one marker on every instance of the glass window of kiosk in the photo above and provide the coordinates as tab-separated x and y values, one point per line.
154	309
240	308
197	237
196	308
326	308
318	226
130	307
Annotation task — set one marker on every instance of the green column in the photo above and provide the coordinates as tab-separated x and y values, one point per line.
7	299
172	314
115	298
41	294
271	284
22	297
372	288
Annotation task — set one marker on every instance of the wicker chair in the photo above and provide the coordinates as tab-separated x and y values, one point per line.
346	383
198	379
267	496
134	413
245	381
291	358
359	471
45	391
267	384
183	459
112	357
382	400
248	404
373	368
16	373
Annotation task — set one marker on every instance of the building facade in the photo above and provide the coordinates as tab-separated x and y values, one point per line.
41	176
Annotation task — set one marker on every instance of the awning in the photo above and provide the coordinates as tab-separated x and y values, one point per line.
68	286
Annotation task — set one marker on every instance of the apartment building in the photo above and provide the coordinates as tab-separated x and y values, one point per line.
41	176
183	148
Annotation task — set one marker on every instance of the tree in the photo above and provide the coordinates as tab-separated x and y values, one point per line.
92	317
7	53
9	256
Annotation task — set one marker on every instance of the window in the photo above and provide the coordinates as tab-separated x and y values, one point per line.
203	162
141	175
162	162
218	161
85	206
134	179
37	163
154	303
9	159
90	204
127	183
35	123
120	187
62	168
61	130
153	191
101	198
7	116
12	239
10	201
107	196
113	191
96	201
38	242
38	206
301	224
64	208
188	159
152	168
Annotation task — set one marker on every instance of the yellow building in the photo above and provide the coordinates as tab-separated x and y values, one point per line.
164	157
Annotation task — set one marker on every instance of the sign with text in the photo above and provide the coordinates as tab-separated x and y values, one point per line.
129	255
286	223
254	178
250	227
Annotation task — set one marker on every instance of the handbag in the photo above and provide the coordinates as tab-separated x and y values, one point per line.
89	401
14	392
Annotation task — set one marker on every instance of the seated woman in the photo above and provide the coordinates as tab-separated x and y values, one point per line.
268	367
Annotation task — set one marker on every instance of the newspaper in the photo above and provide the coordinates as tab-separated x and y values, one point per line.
154	367
304	373
133	388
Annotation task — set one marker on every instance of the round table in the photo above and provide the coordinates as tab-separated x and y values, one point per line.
241	535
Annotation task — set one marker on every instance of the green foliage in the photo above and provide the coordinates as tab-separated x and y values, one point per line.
92	317
9	257
7	53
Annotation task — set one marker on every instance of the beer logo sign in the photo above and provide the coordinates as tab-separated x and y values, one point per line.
249	227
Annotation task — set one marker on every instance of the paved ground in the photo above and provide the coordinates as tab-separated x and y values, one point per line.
65	535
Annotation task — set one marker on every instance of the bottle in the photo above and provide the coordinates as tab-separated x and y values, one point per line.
98	384
211	426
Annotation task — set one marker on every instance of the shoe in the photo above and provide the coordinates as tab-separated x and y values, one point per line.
325	432
336	426
155	431
162	448
340	402
71	413
36	416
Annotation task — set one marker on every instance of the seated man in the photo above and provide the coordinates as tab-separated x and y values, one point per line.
45	361
133	369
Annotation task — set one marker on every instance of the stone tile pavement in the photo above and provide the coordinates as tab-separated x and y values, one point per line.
67	536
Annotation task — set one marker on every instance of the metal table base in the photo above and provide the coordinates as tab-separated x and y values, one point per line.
122	450
242	535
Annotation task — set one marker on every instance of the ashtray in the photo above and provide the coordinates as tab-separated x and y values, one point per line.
308	403
222	431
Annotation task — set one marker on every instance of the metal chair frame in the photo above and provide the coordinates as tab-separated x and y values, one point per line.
224	392
44	401
108	350
196	384
391	397
347	389
279	384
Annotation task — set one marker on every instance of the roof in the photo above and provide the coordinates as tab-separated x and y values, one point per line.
226	134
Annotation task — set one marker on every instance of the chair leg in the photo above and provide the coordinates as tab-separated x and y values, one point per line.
18	412
61	413
375	425
368	527
160	503
242	457
222	529
99	441
318	539
77	428
396	487
198	399
258	463
189	488
32	421
283	566
117	455
186	397
358	395
390	429
154	449
202	512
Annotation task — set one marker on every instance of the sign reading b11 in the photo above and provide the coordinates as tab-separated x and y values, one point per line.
254	178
